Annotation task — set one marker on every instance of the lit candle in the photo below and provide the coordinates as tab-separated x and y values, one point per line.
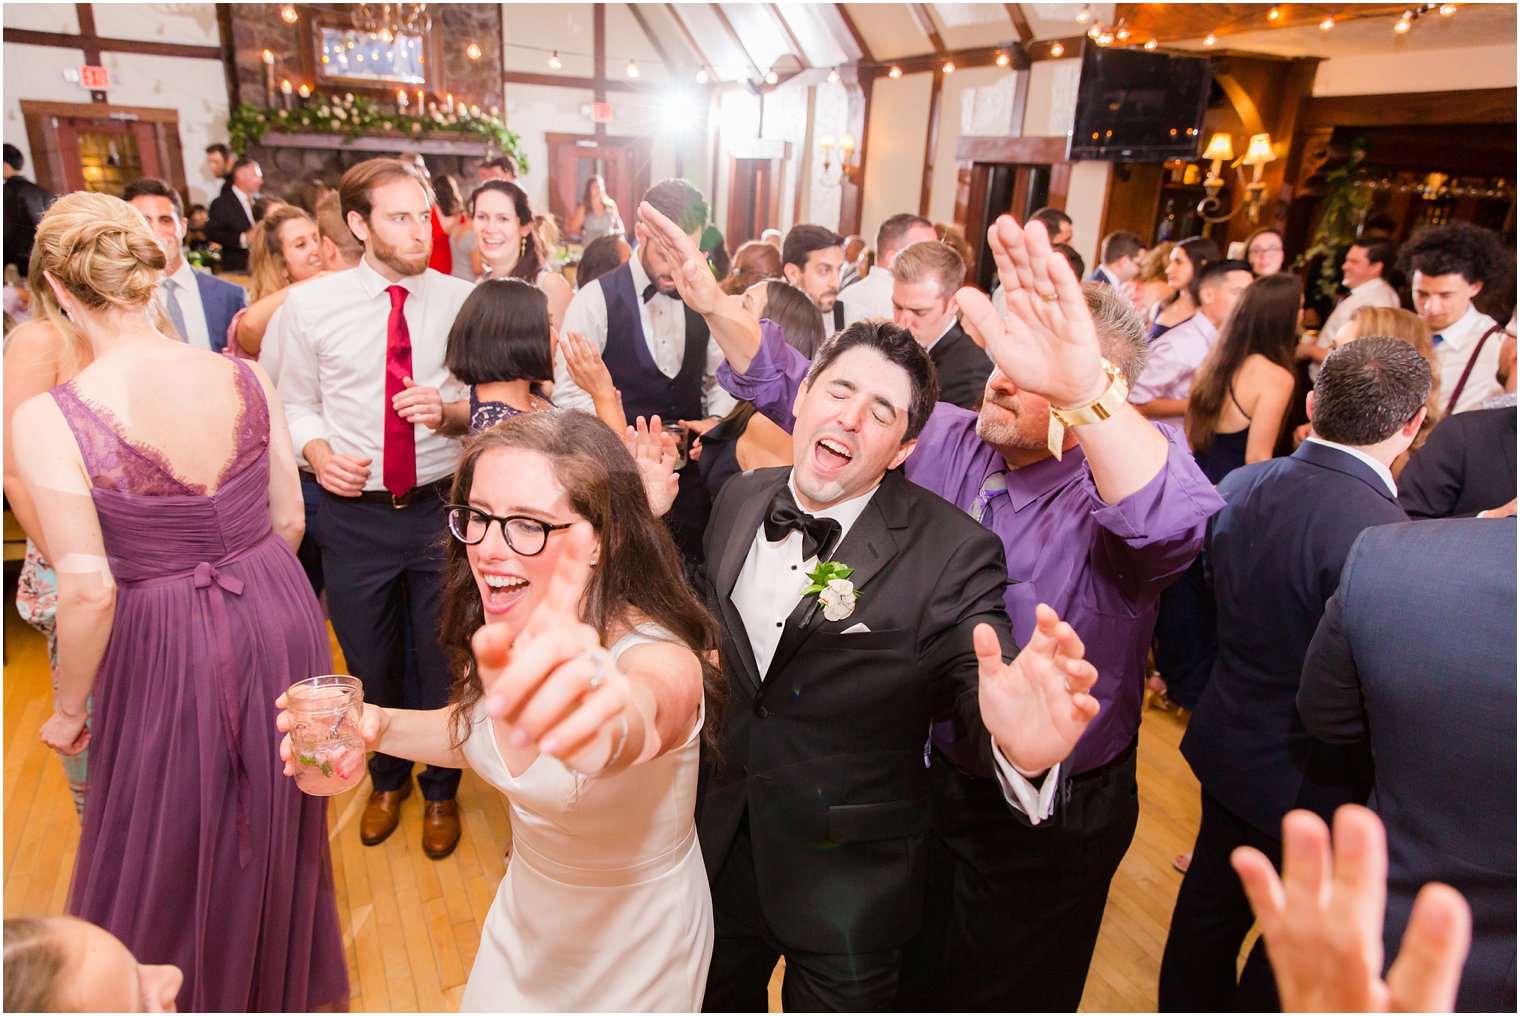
401	101
304	90
461	109
449	100
268	59
419	100
285	91
474	110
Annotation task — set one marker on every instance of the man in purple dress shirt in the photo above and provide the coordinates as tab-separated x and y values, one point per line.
1096	533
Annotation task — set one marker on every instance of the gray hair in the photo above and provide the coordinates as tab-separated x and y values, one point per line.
1121	331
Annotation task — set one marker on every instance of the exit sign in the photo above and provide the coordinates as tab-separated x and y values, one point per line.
96	79
601	112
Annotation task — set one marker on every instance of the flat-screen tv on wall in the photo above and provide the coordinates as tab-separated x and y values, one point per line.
1139	106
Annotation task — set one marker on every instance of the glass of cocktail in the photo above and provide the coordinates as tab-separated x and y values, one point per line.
324	733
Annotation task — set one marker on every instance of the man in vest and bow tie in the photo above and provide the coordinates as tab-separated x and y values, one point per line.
658	351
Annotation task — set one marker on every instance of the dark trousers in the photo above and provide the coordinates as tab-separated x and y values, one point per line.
1211	921
687	518
384	571
1014	910
309	553
1185	639
745	954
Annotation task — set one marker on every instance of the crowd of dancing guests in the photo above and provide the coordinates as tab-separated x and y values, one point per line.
624	540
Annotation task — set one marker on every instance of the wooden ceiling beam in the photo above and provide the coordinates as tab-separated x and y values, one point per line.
848	23
649	33
925	21
691	41
791	37
1020	23
728	26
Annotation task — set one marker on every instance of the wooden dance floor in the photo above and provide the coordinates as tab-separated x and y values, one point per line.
441	904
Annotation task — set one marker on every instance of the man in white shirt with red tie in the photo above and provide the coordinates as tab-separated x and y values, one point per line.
365	393
1448	266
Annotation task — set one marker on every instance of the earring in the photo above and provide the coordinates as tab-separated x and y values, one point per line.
522	248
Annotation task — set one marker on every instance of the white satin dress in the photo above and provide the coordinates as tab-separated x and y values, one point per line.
605	905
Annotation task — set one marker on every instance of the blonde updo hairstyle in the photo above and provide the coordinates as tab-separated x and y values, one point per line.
101	251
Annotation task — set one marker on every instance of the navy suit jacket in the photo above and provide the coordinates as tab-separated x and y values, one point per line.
1275	553
221	300
1416	657
1466	466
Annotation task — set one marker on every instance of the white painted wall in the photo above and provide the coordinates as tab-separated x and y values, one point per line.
196	88
1086	197
895	156
1418	71
960	97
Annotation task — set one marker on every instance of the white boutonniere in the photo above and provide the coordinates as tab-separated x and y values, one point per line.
836	594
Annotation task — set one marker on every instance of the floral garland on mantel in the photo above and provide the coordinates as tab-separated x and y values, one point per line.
356	116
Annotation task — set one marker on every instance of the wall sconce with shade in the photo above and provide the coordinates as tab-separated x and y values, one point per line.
836	158
1221	149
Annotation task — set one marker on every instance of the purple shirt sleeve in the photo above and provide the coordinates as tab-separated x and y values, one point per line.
773	378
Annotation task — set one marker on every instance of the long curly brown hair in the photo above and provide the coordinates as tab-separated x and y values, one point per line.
638	575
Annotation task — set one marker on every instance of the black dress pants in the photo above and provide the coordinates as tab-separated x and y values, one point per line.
1014	910
1186	643
745	954
384	573
1211	921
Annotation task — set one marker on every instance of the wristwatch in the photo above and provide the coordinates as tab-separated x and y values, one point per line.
1101	408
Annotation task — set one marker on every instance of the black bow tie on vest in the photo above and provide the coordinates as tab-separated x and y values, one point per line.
783	515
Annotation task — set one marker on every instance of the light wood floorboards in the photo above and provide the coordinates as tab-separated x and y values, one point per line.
441	904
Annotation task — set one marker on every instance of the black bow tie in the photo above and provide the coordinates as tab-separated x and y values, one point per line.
651	291
783	515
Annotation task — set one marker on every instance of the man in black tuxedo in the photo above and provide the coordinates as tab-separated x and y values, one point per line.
814	816
1415	656
1275	553
231	214
925	276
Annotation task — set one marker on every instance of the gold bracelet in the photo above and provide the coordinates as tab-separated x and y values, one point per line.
1101	408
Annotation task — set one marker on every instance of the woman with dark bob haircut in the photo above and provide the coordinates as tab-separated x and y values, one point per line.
502	346
581	691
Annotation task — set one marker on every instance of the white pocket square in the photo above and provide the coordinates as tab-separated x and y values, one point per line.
855	629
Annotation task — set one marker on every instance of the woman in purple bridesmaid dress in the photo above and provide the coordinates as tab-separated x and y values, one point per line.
166	483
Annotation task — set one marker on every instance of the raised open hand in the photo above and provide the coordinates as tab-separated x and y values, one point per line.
585	365
655	454
1323	921
556	685
1037	706
1047	343
694	279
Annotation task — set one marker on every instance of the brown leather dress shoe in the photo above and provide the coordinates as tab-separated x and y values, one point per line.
440	828
382	815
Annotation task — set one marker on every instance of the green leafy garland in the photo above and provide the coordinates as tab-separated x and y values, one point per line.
1347	199
355	116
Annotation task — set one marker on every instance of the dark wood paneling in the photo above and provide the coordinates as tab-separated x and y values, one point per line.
931	142
1032	150
1473	105
86	15
29	37
1134	198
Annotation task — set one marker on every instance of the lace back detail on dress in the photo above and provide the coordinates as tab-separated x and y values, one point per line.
116	462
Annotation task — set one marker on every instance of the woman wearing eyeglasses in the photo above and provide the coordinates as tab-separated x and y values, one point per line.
580	681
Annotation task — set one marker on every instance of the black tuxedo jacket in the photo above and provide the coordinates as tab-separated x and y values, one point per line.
1466	466
1416	657
827	754
962	368
225	222
1275	554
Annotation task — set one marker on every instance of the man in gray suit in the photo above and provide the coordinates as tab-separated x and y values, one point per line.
1416	656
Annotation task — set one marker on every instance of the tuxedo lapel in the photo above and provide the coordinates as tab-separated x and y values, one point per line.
741	535
866	549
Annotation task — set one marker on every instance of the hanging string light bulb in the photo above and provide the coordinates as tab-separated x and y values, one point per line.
1209	40
1327	24
1084	15
633	68
702	76
895	72
555	63
833	75
1056	49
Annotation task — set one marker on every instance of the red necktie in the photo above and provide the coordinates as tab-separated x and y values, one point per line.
400	465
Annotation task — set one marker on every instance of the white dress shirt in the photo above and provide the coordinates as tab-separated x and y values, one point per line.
871	297
188	295
1372	293
247	203
1456	348
269	351
663	322
1384	473
1174	358
331	345
767	590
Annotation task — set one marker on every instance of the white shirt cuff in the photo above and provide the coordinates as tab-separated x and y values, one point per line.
1020	793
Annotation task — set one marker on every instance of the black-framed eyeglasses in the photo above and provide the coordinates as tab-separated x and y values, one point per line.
524	534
